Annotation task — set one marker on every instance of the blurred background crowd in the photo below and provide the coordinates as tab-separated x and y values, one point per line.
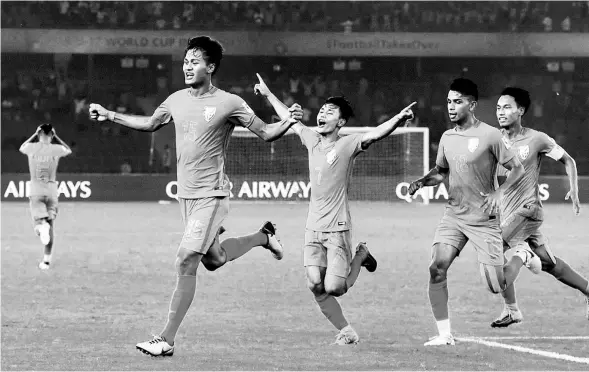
58	88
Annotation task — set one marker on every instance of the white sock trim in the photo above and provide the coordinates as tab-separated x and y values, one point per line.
444	327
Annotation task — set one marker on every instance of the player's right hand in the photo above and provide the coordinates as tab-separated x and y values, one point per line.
296	113
414	186
261	87
98	112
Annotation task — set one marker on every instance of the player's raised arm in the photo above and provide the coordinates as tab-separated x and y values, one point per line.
281	109
62	143
28	141
387	127
152	123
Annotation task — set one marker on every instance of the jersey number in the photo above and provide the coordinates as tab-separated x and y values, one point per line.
42	173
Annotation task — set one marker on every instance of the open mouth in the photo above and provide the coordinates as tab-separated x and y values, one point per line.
321	123
189	75
452	115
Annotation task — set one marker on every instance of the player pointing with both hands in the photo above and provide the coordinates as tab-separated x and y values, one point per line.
331	271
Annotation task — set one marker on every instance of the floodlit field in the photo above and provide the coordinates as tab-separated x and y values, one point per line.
113	275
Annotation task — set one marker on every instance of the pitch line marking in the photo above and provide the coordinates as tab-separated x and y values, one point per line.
535	338
548	354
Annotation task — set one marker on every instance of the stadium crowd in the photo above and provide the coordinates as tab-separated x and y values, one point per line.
356	16
38	88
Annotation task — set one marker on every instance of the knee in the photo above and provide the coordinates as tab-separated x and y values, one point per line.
438	271
316	287
335	289
214	263
187	262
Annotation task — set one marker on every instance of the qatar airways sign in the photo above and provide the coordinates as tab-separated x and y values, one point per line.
440	192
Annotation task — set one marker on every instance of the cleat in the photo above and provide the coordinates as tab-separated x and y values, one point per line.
221	230
530	259
441	340
43	230
44	265
507	320
347	336
156	347
273	245
369	262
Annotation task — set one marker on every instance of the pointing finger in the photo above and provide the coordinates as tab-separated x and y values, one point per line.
260	78
411	105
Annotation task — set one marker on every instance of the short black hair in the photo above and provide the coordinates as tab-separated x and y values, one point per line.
466	87
345	107
521	97
46	128
212	49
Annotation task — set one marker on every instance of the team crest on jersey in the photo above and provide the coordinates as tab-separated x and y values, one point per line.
524	152
247	108
209	113
330	157
473	144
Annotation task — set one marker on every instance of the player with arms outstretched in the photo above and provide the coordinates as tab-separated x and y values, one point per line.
43	160
331	271
204	117
468	154
521	208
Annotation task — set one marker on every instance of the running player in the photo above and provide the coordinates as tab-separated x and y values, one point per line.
468	154
521	208
43	160
204	117
331	271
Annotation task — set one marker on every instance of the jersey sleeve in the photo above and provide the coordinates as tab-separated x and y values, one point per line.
241	112
59	151
500	148
308	137
27	148
356	143
162	114
548	146
441	160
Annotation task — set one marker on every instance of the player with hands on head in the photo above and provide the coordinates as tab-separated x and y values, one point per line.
43	156
331	270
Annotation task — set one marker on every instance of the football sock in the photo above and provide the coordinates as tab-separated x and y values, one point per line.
438	298
47	258
179	305
564	273
49	245
509	297
355	268
512	307
332	310
444	327
237	247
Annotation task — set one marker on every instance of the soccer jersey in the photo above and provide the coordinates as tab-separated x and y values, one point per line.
203	128
330	171
530	146
43	160
472	157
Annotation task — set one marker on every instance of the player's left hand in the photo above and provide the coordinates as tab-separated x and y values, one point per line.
491	202
407	113
296	113
261	87
574	196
